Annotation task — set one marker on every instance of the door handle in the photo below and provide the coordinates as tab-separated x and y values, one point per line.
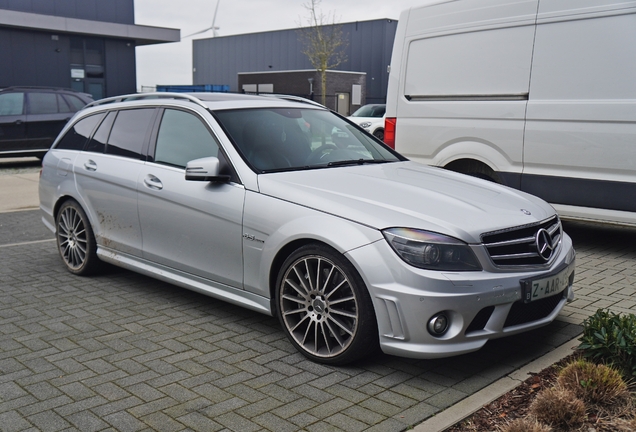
90	165
17	122
153	182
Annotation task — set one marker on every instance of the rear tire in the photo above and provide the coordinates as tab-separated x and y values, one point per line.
75	239
474	169
324	306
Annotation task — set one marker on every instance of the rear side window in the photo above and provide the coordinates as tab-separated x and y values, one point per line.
11	104
42	103
76	137
183	137
62	105
128	135
75	102
98	142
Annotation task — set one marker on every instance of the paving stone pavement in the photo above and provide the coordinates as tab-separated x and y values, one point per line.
123	352
605	270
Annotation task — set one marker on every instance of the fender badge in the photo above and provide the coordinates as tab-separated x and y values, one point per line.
526	212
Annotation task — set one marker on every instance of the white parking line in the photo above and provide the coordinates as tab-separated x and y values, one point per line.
26	243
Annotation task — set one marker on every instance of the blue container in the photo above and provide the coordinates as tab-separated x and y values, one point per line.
214	88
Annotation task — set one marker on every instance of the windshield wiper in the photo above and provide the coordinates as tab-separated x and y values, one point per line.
356	162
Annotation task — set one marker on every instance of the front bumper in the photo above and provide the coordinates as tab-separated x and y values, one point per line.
478	305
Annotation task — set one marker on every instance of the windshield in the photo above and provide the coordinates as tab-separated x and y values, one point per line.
370	111
284	139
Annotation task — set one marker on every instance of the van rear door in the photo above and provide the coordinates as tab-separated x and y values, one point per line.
580	139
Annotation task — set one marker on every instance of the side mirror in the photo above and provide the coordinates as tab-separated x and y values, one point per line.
205	169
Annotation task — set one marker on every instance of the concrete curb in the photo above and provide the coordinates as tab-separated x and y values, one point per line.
473	403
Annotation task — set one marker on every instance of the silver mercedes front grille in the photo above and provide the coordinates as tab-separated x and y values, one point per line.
527	245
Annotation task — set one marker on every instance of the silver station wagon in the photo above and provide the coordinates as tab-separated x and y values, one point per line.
288	209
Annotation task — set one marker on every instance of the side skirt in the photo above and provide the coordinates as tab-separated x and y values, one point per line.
203	286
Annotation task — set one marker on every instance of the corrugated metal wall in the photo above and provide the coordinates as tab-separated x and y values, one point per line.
117	11
42	58
370	43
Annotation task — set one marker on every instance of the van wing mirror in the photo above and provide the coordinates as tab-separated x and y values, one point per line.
205	169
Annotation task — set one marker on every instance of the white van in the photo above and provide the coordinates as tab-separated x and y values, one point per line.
539	95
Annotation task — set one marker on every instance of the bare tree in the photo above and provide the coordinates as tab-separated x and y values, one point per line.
323	42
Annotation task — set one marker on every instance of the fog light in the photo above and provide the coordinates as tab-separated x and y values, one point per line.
438	325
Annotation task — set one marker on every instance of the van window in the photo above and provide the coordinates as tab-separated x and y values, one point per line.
76	137
483	63
183	137
129	132
11	104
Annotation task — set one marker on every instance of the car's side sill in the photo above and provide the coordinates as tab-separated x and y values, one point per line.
204	286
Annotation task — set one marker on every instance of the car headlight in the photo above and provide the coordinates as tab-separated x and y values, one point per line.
431	251
365	125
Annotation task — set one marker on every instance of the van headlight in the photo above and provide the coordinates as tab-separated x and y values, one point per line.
431	251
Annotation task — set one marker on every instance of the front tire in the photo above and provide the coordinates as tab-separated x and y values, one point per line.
75	239
324	306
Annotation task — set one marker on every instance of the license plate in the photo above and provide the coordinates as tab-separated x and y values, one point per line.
536	289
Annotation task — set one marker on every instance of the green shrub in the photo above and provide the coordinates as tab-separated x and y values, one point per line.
611	339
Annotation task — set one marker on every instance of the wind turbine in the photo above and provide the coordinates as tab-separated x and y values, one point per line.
212	27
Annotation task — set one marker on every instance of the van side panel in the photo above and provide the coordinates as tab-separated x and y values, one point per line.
580	140
438	133
463	87
491	63
449	17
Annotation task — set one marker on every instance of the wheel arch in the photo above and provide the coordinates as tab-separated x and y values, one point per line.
364	328
277	264
497	158
60	202
475	168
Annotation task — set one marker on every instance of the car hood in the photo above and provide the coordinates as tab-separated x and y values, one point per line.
409	195
359	120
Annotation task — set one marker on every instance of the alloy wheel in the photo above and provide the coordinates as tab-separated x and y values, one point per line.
318	306
72	238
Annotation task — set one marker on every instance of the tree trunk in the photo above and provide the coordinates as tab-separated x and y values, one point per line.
323	86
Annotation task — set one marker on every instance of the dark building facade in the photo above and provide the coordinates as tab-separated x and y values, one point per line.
87	45
219	60
345	90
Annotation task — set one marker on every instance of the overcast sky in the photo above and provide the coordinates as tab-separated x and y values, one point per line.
172	63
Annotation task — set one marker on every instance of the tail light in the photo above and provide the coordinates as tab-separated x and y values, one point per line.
389	131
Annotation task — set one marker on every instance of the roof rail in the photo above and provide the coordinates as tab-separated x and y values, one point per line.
292	98
144	96
31	87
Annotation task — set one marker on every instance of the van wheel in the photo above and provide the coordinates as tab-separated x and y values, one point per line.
379	134
324	306
474	168
75	239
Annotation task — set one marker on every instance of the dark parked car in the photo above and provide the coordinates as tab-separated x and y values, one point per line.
32	117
